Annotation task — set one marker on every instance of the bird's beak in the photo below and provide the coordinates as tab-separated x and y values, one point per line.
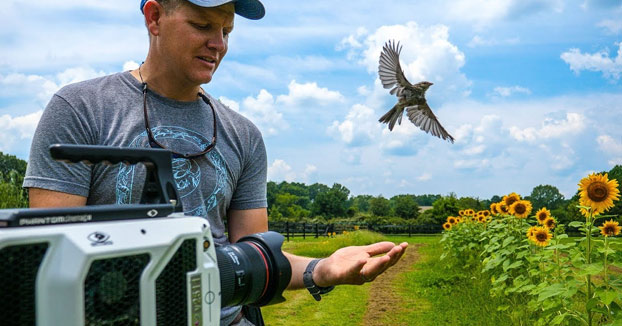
431	84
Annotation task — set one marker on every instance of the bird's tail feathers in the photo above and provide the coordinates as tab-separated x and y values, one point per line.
391	117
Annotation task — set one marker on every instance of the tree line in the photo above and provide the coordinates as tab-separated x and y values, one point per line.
319	203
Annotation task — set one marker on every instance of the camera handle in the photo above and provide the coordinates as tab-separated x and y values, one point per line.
159	187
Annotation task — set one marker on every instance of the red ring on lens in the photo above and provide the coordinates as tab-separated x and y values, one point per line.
265	262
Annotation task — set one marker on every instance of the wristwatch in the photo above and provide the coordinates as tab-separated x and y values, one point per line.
307	279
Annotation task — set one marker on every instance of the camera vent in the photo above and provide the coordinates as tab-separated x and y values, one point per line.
111	291
171	291
19	266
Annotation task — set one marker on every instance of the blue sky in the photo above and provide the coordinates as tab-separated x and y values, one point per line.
530	89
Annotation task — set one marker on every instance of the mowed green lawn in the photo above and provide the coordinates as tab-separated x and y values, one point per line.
346	305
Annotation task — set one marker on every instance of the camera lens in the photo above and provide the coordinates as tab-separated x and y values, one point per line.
253	271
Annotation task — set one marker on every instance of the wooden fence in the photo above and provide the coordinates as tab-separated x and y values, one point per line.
316	230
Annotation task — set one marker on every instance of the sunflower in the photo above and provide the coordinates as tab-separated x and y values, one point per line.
493	209
469	212
447	226
598	192
459	220
485	212
541	236
481	218
452	220
510	199
503	209
461	212
610	228
530	232
521	208
549	223
542	214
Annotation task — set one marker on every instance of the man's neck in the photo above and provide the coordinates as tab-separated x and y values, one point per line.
160	82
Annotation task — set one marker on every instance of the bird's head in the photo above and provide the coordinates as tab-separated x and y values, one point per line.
424	85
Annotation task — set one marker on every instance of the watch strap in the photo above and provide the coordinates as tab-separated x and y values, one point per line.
307	279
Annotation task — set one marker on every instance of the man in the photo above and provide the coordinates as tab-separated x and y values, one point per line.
220	173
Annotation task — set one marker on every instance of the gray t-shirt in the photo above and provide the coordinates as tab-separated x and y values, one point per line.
109	111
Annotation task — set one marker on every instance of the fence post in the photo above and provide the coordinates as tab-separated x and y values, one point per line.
409	229
304	230
317	234
287	229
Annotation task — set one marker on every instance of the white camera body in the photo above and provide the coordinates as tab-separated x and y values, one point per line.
87	273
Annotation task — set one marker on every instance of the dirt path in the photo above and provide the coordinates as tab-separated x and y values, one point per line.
382	297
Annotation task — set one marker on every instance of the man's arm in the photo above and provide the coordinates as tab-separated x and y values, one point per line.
39	197
344	266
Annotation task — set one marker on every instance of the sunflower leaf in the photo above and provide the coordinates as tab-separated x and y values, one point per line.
551	291
575	224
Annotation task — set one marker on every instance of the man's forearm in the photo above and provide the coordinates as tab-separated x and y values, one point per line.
298	264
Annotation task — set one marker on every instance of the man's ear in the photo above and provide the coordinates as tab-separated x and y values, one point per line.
153	12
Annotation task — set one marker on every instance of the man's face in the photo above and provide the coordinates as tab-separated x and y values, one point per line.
193	40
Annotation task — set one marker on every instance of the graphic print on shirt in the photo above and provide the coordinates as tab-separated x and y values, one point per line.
188	174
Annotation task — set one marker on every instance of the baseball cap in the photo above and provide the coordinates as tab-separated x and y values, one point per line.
251	9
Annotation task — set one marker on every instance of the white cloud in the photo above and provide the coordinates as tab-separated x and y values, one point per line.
233	105
279	170
14	131
427	54
509	91
424	177
611	26
309	93
262	111
130	65
609	145
574	123
17	84
611	67
359	128
478	41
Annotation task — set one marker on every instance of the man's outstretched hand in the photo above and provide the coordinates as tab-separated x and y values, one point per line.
357	264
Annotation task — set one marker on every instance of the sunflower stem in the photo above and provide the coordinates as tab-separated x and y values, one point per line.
589	261
606	253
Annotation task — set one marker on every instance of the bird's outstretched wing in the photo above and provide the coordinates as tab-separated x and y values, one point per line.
423	117
389	69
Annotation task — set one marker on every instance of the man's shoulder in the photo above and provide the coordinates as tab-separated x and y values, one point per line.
97	85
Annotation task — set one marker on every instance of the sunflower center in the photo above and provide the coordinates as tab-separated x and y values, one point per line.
541	236
520	209
542	216
597	191
609	230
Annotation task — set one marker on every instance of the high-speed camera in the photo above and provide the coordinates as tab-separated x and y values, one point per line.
133	265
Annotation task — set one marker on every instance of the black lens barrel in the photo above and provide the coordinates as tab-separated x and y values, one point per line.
253	271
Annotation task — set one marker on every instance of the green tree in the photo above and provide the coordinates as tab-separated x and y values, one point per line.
380	206
443	207
331	203
315	189
405	206
546	196
361	202
12	171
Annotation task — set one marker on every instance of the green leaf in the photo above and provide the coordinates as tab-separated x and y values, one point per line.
591	269
503	308
551	291
591	304
607	296
507	241
558	319
575	224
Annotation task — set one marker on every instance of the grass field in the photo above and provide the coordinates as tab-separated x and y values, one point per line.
425	293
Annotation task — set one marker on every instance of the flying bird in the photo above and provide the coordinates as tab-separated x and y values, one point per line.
410	97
